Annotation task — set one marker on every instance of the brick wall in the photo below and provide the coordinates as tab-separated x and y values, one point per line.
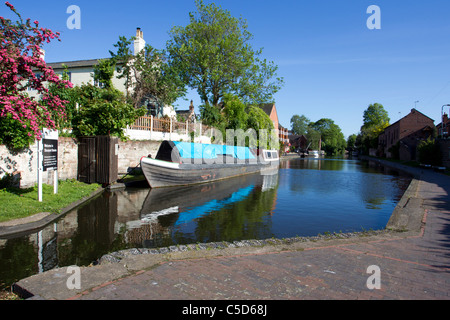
23	165
445	150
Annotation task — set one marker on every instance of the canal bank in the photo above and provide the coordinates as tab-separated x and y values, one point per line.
17	227
411	254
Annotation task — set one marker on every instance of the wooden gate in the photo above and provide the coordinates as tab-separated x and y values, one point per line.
98	160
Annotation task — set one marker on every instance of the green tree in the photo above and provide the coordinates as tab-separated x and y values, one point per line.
147	74
102	112
299	124
258	119
351	142
375	120
104	72
333	141
213	55
235	114
314	138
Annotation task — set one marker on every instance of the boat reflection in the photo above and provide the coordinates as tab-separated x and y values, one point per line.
167	213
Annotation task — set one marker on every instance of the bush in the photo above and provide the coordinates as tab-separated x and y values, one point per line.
13	134
6	181
103	112
429	152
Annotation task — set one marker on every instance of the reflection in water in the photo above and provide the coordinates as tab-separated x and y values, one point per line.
305	197
219	211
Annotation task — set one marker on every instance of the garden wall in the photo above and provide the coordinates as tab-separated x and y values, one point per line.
131	152
23	165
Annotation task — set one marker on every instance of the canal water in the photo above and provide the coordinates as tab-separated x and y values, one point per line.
305	197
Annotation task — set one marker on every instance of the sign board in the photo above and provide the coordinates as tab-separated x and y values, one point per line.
50	150
48	158
50	155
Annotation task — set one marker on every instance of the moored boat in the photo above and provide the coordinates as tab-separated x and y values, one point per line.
183	163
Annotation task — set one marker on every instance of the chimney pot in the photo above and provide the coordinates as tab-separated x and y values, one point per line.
139	43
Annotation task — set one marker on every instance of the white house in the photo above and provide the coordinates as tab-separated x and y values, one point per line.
82	72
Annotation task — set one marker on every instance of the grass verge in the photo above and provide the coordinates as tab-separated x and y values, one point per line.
21	203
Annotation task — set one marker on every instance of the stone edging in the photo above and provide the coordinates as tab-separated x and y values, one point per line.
118	256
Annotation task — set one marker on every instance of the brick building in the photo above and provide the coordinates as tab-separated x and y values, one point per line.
404	135
300	142
283	133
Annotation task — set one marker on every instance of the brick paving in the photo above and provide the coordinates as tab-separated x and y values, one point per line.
412	266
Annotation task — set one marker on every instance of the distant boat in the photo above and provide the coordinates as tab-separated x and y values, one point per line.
314	154
183	163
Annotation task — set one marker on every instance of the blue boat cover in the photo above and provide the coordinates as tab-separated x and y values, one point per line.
210	151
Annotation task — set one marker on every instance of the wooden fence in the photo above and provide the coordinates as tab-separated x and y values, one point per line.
152	124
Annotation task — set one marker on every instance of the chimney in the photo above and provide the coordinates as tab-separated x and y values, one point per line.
191	107
139	43
42	54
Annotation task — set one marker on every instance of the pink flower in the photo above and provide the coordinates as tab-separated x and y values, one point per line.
10	5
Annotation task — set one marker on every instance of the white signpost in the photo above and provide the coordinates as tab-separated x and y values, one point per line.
48	158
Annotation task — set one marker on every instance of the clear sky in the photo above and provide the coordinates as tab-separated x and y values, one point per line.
333	65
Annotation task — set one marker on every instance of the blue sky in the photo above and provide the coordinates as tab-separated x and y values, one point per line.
332	64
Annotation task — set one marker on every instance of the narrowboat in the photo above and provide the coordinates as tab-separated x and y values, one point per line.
184	163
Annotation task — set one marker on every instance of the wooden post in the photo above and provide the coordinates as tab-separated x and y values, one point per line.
151	126
40	169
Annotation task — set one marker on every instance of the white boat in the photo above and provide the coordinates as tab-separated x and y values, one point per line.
314	154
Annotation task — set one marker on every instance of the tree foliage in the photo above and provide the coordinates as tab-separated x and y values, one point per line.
375	120
333	141
236	115
429	152
102	111
22	68
213	55
147	73
299	124
352	142
104	72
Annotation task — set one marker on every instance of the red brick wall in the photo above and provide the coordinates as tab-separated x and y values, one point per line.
409	124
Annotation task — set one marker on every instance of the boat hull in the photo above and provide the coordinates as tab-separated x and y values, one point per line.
161	174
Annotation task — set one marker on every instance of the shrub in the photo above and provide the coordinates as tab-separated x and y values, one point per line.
429	152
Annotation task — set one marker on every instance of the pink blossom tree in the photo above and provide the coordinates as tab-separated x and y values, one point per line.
22	67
